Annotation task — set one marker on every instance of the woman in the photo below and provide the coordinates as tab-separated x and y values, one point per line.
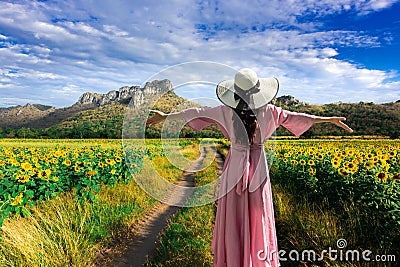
244	231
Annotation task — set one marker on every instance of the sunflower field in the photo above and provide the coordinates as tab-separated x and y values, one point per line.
34	170
40	170
365	172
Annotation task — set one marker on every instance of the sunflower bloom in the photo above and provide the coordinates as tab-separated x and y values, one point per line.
77	169
26	166
18	200
381	176
91	173
67	162
22	178
335	164
344	172
44	174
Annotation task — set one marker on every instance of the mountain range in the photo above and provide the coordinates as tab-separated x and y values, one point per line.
101	115
42	116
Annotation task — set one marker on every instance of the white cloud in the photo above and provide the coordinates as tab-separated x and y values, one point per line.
50	31
115	30
376	5
14	101
81	47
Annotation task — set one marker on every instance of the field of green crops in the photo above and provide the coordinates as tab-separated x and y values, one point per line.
363	175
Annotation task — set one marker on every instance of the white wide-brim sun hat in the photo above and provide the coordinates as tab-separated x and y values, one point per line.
246	79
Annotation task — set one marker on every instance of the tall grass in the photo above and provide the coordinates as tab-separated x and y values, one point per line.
63	232
304	225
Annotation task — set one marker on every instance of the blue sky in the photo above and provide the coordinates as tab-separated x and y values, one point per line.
321	51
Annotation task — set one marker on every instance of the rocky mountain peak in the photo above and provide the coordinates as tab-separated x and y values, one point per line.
288	100
127	93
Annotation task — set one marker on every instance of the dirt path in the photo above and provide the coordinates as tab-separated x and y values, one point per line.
139	245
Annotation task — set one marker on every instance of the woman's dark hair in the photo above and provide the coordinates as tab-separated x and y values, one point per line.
245	116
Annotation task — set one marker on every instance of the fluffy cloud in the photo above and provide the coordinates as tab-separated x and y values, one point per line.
65	48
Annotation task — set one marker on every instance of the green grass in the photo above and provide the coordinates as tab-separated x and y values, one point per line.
64	232
187	239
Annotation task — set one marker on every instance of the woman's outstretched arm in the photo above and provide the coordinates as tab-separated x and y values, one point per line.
335	120
160	116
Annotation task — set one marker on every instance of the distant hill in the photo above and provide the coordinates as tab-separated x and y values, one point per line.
41	117
32	116
102	115
366	118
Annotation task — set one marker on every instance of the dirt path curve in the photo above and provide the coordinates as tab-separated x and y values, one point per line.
147	232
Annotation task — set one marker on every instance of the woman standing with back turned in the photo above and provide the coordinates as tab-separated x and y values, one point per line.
244	232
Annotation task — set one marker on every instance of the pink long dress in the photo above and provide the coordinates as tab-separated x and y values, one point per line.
244	232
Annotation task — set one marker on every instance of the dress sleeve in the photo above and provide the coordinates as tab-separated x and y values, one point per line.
199	118
295	122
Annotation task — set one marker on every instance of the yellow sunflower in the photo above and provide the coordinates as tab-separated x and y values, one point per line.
23	178
26	166
344	172
381	176
91	173
335	163
44	174
67	162
17	200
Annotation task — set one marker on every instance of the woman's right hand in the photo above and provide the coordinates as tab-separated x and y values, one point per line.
338	122
159	116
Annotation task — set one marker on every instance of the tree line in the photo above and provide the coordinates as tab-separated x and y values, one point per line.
107	122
